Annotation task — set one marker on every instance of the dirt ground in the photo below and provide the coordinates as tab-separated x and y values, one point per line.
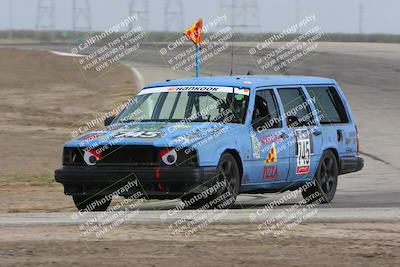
43	98
29	197
316	244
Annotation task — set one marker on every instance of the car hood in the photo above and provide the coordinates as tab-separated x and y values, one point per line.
152	133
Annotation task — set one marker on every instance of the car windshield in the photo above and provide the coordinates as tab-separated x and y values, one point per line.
187	104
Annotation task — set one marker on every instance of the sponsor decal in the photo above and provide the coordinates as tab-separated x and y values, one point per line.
90	136
256	147
270	172
139	134
201	88
271	139
169	156
181	126
242	91
272	155
303	156
91	156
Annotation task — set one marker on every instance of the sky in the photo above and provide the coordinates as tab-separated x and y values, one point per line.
379	16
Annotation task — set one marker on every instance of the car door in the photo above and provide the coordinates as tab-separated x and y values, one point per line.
270	162
303	130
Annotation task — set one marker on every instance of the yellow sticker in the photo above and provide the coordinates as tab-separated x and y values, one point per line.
272	156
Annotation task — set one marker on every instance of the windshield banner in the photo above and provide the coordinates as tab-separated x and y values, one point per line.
172	89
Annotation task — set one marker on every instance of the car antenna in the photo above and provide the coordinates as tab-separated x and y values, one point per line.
231	59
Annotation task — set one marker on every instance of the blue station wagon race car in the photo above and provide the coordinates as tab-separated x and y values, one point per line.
207	139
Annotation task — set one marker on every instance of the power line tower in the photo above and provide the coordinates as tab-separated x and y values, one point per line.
45	17
296	11
173	15
361	9
242	15
81	20
10	13
139	8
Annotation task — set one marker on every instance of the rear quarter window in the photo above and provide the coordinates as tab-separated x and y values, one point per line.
329	105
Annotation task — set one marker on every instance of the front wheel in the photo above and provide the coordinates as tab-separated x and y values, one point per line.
325	179
92	203
226	183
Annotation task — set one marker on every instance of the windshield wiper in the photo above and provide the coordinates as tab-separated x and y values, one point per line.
146	120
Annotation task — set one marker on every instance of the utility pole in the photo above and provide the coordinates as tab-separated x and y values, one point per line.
10	32
173	15
81	20
45	17
139	8
360	18
243	14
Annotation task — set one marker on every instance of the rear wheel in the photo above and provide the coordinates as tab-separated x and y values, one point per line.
91	203
226	182
325	179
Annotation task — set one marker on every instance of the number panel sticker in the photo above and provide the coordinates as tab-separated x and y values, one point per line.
303	156
139	134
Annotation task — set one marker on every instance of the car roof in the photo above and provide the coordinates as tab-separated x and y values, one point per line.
249	81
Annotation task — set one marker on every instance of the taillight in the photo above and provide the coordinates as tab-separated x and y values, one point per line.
358	142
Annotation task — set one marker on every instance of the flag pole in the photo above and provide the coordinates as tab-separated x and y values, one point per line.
197	60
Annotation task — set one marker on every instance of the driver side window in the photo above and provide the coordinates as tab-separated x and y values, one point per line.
266	112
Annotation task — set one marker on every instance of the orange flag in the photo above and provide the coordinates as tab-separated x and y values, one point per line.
194	32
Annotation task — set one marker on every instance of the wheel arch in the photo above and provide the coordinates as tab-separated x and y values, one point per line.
336	153
238	159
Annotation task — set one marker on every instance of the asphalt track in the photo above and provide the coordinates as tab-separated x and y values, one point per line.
232	217
368	74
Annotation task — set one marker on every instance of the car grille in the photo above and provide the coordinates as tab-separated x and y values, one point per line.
128	156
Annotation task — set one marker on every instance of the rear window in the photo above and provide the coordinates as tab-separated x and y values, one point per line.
329	105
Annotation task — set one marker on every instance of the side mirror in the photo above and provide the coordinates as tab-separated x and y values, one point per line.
108	120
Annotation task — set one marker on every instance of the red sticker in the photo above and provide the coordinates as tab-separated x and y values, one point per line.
270	139
270	172
303	170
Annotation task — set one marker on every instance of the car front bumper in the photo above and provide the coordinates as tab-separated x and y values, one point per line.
153	182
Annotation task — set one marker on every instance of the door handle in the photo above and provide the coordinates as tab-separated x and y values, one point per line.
317	132
284	135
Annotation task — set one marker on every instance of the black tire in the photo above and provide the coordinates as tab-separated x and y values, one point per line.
88	203
227	170
326	179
